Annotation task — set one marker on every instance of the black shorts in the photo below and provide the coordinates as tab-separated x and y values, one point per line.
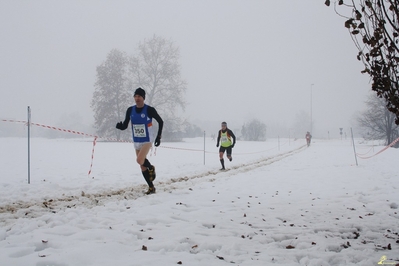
223	149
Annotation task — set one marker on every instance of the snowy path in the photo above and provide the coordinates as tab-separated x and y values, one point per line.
35	208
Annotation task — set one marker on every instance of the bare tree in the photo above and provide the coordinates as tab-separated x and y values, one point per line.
377	122
111	97
374	28
254	131
156	68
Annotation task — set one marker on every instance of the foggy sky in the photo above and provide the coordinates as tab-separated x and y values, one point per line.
242	60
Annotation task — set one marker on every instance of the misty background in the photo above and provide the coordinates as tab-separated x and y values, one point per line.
242	60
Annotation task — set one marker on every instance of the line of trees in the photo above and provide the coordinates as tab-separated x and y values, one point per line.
376	122
155	67
254	130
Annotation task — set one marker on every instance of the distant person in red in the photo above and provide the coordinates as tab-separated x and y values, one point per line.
227	140
140	117
308	138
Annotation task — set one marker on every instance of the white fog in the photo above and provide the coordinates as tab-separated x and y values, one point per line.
241	60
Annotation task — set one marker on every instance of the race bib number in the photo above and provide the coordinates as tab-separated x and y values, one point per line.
139	131
224	139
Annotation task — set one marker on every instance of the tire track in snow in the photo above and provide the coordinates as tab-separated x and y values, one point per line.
36	208
242	168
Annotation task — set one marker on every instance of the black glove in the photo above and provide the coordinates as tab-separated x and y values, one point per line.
119	125
217	145
157	141
232	145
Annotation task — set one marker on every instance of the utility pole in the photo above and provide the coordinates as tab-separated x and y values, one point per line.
311	108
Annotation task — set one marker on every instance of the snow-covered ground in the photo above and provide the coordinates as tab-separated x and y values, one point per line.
278	203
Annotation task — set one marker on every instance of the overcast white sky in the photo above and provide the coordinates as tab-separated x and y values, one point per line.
241	59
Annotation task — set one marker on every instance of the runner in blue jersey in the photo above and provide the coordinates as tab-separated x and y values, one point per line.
140	116
227	140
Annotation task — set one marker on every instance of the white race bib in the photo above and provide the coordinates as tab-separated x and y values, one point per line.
139	131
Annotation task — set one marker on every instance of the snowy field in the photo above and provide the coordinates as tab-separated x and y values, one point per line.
278	203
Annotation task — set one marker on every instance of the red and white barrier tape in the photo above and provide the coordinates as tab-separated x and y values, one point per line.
50	127
385	148
92	155
69	131
66	130
109	139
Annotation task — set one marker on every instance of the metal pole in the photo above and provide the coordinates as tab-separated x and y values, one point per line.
354	149
311	108
28	144
278	142
204	147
